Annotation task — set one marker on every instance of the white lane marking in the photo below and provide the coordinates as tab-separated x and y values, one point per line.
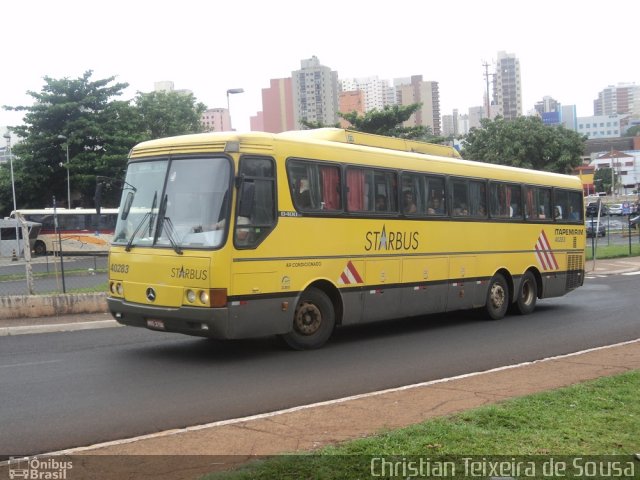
28	364
632	273
233	421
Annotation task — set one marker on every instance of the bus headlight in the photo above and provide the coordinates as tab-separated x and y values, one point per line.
191	296
210	297
115	288
204	297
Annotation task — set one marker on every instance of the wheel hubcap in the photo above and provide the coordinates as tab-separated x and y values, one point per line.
308	319
497	296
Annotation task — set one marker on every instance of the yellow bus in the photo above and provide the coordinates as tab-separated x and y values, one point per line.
231	235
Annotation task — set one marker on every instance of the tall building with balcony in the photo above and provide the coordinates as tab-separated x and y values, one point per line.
507	89
315	93
375	91
621	99
415	90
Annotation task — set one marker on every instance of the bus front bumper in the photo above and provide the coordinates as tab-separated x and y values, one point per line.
222	323
201	322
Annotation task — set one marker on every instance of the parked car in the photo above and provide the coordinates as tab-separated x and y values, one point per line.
615	209
592	210
591	228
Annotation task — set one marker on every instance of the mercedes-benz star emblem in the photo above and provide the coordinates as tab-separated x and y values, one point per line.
151	294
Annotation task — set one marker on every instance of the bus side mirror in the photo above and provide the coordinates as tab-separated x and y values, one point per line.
247	194
126	208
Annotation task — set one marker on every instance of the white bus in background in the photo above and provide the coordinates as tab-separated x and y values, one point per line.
81	230
9	246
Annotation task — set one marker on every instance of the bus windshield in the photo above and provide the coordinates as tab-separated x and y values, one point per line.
175	203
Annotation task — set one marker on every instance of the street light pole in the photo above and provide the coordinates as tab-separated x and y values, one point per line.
62	137
7	137
232	91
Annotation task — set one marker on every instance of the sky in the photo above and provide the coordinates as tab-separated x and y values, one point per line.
569	50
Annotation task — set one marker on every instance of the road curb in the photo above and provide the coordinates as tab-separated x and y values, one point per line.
35	306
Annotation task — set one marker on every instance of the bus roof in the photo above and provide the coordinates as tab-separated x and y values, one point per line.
442	159
222	140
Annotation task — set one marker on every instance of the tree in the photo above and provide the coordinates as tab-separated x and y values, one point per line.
604	178
308	125
165	114
81	115
99	131
525	142
633	131
388	122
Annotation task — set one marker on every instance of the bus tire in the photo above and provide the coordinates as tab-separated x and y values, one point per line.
39	248
497	301
313	321
527	295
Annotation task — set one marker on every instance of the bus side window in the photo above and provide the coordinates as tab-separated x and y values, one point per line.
460	198
478	199
436	204
314	187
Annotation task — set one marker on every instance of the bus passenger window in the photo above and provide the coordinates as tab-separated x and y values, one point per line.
460	199
435	196
314	187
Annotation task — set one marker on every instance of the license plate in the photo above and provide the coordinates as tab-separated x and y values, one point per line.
155	324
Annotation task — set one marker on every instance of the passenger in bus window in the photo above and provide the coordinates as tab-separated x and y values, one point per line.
409	205
460	210
541	214
557	212
573	214
303	197
435	207
381	203
243	233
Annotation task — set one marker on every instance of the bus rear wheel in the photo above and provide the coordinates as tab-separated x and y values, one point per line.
497	297
527	295
313	321
39	248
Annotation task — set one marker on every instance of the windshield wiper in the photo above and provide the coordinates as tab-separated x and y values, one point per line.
147	216
170	232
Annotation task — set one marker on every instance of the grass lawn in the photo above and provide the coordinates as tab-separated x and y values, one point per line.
596	418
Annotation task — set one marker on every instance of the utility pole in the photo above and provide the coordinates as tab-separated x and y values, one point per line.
486	76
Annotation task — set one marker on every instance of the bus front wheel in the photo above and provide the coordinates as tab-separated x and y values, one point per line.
497	297
313	321
527	295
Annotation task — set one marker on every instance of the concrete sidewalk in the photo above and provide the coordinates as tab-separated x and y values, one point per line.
223	445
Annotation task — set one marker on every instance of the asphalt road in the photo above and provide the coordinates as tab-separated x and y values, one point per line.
63	390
